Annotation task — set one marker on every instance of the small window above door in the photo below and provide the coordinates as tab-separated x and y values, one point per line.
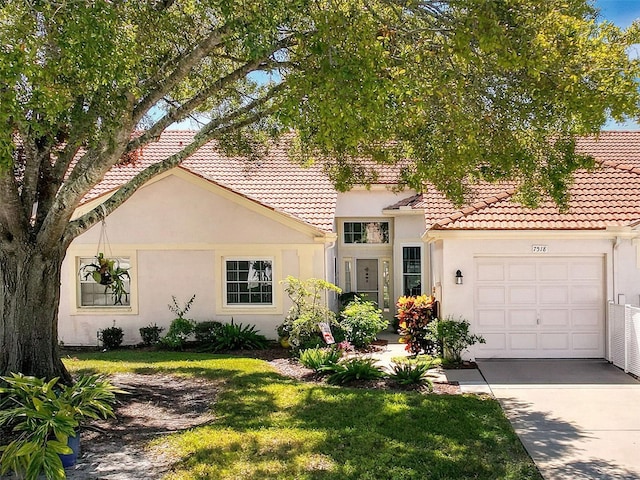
366	232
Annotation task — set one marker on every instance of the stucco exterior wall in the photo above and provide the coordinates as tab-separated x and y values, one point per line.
178	233
361	202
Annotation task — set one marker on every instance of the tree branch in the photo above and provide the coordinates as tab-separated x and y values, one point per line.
182	69
87	172
11	212
181	112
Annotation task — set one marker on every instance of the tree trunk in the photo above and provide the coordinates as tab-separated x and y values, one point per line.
30	286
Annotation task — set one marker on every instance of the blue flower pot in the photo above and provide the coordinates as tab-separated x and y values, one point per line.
70	459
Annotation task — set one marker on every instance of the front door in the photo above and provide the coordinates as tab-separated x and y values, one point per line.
367	279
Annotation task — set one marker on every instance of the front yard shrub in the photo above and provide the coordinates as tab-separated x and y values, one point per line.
181	328
233	336
207	332
355	369
151	334
111	337
414	315
178	334
308	310
318	359
454	337
407	373
361	321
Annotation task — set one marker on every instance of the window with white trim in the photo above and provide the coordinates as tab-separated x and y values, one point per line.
411	271
103	293
366	232
249	282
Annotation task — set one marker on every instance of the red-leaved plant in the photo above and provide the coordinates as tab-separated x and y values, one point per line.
414	315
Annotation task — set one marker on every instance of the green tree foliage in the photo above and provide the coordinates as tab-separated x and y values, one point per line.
461	90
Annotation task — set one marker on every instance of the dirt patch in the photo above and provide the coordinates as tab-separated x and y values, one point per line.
156	405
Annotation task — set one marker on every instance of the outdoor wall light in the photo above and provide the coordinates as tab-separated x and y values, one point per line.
458	277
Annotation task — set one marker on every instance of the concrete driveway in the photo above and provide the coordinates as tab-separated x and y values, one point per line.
578	419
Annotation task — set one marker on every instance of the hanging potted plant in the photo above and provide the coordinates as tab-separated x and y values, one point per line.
108	272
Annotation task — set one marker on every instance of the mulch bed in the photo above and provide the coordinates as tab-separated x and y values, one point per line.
289	366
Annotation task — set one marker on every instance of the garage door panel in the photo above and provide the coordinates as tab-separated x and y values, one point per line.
519	318
494	342
582	317
522	295
491	318
523	341
554	341
540	307
590	342
519	272
491	295
555	318
553	271
586	294
587	271
554	295
490	272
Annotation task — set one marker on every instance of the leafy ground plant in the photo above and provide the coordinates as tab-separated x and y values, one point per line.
178	334
408	373
355	369
207	332
111	337
44	415
320	359
150	334
232	336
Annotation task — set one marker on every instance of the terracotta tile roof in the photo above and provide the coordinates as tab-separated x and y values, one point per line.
275	182
610	196
615	146
606	197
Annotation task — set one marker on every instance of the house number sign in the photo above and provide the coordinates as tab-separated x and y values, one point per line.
539	248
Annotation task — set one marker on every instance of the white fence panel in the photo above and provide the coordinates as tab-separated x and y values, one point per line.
624	337
632	320
617	334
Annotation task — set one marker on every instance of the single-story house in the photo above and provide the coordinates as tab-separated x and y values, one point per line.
534	283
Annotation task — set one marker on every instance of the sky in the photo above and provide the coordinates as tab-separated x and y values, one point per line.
621	13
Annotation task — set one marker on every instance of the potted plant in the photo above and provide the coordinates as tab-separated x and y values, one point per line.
108	272
45	418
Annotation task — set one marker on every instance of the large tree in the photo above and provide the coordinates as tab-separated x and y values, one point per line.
461	90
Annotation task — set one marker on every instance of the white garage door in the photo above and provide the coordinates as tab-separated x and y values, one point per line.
540	307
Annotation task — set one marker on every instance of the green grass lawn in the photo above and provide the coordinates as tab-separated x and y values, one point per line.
271	427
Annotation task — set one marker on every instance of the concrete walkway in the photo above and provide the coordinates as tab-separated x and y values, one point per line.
578	419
